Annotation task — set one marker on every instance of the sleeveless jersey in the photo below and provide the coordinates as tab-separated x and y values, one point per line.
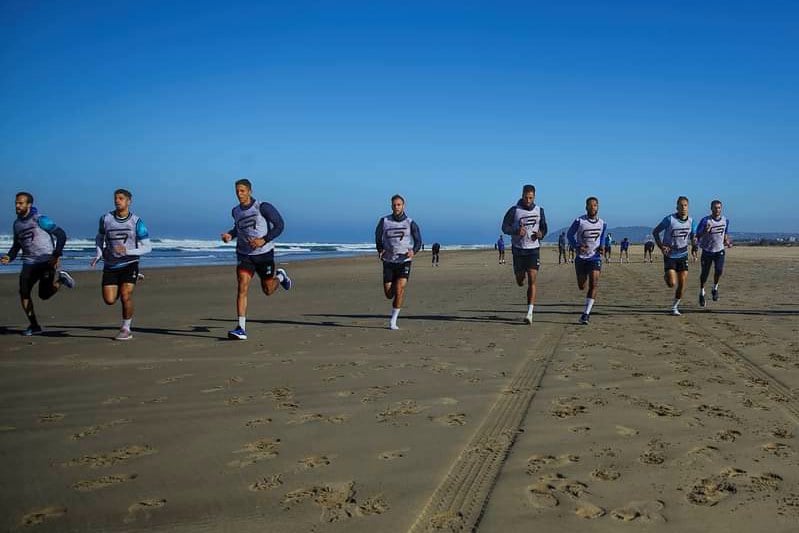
36	243
397	239
713	238
530	219
588	232
677	235
251	224
116	232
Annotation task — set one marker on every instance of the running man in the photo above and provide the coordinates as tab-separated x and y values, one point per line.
608	243
256	225
587	234
712	235
122	238
649	247
678	233
41	243
624	250
436	249
397	240
526	224
499	246
562	247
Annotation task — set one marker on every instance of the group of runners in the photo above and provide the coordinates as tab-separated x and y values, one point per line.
122	238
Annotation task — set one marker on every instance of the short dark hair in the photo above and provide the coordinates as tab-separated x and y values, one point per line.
245	182
27	195
714	202
594	198
680	198
397	197
528	188
124	192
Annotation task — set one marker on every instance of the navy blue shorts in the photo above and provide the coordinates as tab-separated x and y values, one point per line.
713	258
263	264
41	273
678	265
394	271
584	267
528	261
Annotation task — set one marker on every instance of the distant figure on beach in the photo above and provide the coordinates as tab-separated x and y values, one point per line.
526	223
499	246
435	249
122	238
562	247
608	246
41	243
712	235
586	234
649	247
256	225
397	240
624	250
678	234
571	253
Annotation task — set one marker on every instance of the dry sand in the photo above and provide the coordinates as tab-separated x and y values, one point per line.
324	420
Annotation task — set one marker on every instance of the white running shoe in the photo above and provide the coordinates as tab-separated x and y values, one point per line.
66	279
675	311
528	318
124	335
392	326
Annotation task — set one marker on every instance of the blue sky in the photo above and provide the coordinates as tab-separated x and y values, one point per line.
332	107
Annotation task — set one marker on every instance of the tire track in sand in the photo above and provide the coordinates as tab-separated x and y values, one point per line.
458	502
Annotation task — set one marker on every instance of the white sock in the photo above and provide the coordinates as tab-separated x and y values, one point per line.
676	303
589	304
530	309
394	315
126	323
715	286
280	277
242	322
702	291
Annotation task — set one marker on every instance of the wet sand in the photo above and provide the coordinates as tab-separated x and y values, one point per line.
324	420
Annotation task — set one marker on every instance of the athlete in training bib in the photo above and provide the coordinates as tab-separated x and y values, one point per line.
678	234
712	236
586	235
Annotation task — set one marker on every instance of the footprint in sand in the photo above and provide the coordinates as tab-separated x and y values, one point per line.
257	451
399	409
782	433
541	496
257	422
778	449
144	507
451	419
94	430
267	483
89	485
768	482
39	516
580	430
640	511
538	461
51	417
588	510
337	501
567	410
235	401
119	455
710	491
315	461
605	474
393	455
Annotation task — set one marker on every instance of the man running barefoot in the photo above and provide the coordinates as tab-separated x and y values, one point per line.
712	235
41	243
122	238
587	234
256	226
678	234
397	240
526	223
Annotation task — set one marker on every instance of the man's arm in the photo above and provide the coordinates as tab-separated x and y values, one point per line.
508	222
656	233
379	236
272	216
143	244
542	225
572	233
12	252
417	237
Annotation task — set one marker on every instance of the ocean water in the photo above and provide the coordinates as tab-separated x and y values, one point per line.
197	252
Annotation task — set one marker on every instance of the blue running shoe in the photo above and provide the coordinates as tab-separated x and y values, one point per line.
701	299
584	319
286	283
237	334
715	294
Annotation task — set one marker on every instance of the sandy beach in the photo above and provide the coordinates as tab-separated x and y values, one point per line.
465	418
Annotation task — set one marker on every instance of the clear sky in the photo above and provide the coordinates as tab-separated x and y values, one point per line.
331	107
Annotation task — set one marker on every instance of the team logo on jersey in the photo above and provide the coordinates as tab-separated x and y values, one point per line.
530	220
591	234
680	233
248	222
26	236
117	236
715	230
397	234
